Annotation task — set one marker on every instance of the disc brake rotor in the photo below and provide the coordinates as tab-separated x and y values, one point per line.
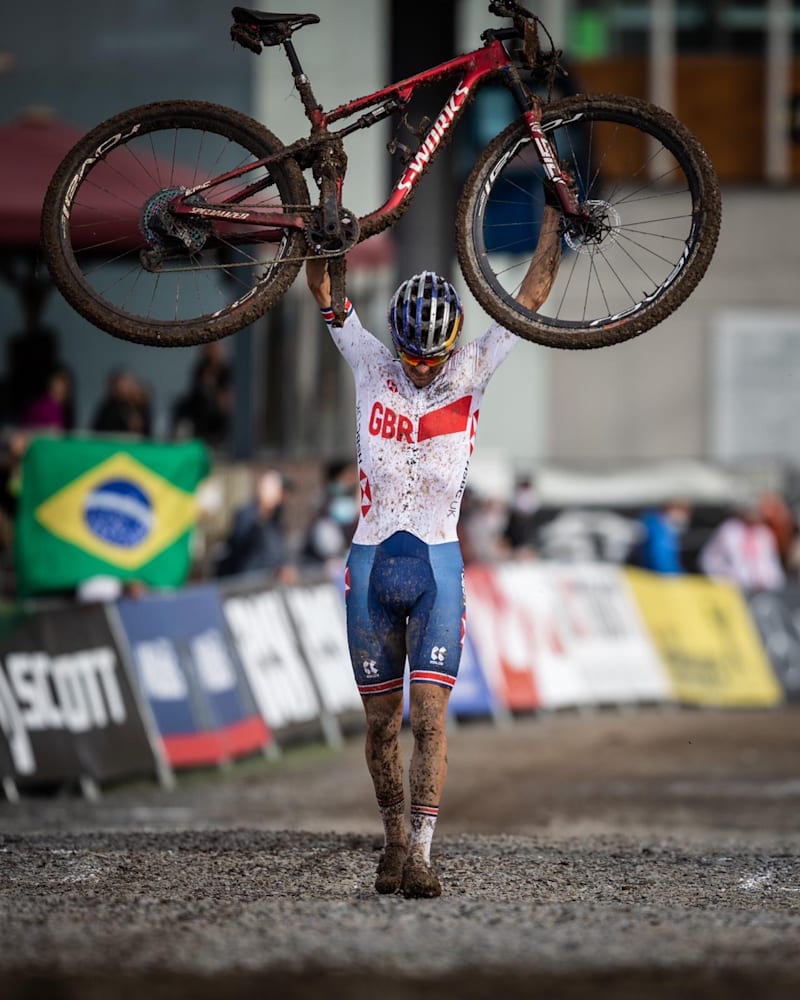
600	225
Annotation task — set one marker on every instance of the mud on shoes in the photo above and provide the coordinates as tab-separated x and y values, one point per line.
390	869
419	880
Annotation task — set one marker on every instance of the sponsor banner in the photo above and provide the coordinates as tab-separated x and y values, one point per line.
504	636
276	669
777	617
189	671
597	627
67	709
471	695
318	615
706	639
573	633
97	507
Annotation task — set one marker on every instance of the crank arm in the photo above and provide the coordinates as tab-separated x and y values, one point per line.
337	268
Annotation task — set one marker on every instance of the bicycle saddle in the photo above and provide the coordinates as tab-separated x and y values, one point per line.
255	28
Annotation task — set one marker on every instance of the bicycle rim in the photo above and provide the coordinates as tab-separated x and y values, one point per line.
655	210
134	269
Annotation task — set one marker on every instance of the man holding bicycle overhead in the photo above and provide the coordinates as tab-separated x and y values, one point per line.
416	417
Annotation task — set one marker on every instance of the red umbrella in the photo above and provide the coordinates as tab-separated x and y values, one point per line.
32	147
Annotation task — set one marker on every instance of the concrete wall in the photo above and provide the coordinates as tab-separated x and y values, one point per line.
650	398
645	399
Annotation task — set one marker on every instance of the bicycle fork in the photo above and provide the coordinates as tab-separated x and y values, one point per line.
531	108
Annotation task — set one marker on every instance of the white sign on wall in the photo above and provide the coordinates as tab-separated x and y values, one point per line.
755	385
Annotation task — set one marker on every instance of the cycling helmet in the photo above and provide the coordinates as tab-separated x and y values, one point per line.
425	315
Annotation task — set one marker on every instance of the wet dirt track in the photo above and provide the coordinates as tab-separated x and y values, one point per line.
636	854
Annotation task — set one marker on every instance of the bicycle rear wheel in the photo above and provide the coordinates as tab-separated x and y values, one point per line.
131	267
655	206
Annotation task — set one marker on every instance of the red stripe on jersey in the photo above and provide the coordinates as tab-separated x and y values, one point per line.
450	419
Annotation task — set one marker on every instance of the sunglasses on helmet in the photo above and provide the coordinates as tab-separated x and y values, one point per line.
432	362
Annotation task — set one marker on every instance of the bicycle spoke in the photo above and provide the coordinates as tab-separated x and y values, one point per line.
638	219
139	259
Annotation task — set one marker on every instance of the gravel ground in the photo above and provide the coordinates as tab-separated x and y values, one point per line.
650	853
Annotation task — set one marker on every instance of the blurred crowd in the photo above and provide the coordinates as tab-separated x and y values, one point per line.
37	394
753	542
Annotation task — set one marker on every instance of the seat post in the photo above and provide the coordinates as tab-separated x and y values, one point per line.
310	103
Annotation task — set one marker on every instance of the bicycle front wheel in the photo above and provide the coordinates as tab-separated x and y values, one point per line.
653	208
130	266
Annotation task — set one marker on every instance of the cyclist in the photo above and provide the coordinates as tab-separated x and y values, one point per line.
416	417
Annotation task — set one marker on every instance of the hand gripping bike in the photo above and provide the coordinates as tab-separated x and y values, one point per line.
181	222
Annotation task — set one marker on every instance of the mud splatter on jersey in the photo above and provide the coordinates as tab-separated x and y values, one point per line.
414	445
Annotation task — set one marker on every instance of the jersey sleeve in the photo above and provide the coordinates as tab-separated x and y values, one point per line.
485	354
355	343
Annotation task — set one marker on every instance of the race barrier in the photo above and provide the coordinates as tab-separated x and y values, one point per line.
555	636
707	641
205	674
294	650
189	670
777	618
68	709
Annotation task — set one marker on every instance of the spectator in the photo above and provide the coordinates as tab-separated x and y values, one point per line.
204	411
481	529
521	527
29	354
778	517
331	530
125	407
659	547
50	409
743	550
257	540
14	448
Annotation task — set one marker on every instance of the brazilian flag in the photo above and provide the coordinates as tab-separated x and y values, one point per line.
91	507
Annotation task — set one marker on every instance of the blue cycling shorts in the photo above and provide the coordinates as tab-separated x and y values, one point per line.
404	599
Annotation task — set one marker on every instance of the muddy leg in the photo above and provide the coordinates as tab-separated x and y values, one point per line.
384	761
427	776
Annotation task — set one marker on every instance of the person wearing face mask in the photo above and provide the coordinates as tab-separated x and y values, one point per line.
331	530
660	543
417	412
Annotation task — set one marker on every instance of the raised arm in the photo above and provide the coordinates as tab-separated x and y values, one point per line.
319	281
544	264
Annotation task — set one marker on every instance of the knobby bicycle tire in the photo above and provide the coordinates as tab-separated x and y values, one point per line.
104	206
658	220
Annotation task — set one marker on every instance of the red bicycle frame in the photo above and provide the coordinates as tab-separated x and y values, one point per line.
475	68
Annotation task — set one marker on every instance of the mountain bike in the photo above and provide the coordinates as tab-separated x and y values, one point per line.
181	222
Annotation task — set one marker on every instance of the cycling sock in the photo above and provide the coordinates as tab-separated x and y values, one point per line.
393	815
423	823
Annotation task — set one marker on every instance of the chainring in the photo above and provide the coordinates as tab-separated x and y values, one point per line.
324	244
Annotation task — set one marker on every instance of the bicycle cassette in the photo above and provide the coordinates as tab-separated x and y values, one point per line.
165	231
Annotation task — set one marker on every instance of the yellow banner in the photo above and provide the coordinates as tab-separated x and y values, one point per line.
703	631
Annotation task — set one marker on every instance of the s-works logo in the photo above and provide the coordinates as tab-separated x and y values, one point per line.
433	138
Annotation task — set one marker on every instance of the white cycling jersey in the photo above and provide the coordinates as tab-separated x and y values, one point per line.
414	445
